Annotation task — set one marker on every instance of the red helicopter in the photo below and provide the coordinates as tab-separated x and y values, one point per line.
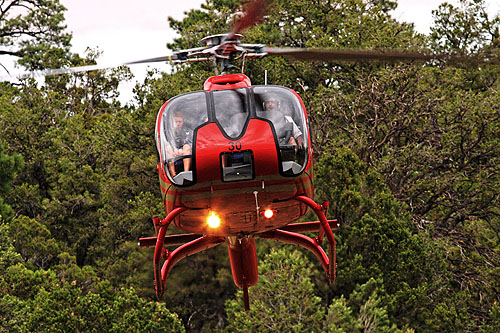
236	161
235	164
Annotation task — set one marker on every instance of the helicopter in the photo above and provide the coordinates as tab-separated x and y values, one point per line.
236	163
236	160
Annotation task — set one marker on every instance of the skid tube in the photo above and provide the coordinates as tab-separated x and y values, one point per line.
192	243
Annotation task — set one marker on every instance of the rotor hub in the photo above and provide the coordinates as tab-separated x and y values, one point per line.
214	40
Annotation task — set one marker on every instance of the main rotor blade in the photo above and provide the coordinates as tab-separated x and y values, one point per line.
152	60
348	55
88	68
55	71
252	15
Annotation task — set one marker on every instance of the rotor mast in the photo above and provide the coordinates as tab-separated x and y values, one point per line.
223	50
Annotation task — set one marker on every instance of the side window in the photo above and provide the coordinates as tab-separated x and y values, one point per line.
180	118
284	110
230	110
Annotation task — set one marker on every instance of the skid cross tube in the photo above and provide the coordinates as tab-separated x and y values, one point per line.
325	227
171	240
302	227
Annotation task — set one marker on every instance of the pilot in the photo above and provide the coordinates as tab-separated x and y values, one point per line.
179	146
273	104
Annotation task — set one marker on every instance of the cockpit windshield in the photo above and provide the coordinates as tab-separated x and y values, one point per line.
231	111
280	106
180	118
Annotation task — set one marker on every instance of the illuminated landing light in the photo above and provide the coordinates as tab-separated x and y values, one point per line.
213	220
268	213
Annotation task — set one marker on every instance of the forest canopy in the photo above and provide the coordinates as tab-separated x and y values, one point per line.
408	155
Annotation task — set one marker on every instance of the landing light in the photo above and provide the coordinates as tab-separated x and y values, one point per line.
268	213
213	220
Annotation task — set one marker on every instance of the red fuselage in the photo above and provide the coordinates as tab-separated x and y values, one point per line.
236	164
239	203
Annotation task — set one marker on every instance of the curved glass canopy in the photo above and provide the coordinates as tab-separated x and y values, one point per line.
231	110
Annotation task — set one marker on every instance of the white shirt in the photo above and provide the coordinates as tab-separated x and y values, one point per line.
296	131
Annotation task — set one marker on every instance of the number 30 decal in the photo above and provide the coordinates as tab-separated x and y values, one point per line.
234	145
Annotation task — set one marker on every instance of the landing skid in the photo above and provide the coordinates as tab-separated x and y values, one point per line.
241	250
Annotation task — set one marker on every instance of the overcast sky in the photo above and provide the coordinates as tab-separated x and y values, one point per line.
126	30
131	29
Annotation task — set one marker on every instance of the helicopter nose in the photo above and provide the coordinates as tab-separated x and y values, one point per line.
219	158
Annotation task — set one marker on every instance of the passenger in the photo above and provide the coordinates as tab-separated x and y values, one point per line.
273	104
180	145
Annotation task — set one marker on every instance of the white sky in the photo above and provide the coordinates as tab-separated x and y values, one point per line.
126	30
419	11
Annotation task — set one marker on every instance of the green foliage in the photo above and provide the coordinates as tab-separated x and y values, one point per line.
33	242
283	299
8	255
466	28
340	317
494	316
197	289
366	302
70	298
378	241
9	165
34	31
65	308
